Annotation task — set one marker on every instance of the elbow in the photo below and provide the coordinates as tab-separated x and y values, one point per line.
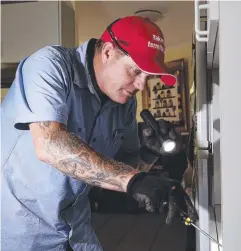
41	154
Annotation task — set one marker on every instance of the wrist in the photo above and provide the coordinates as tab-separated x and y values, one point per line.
128	179
148	156
133	182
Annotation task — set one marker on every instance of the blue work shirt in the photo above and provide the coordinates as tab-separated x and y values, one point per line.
42	208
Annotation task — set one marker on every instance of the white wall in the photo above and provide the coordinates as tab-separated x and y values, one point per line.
92	17
26	27
230	122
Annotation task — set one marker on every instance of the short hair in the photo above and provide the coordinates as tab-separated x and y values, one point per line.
99	45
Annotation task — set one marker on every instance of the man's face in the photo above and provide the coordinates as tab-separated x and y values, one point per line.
121	77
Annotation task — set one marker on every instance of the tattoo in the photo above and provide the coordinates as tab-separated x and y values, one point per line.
72	156
134	160
44	126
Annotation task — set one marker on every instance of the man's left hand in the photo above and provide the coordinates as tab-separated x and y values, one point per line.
152	140
152	145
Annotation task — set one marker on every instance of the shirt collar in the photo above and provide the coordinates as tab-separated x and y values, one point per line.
81	61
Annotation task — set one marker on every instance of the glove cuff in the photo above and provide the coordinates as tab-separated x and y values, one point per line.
148	156
134	181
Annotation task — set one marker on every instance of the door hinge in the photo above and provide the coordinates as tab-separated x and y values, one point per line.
205	147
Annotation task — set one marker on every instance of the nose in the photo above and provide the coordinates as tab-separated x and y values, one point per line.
140	83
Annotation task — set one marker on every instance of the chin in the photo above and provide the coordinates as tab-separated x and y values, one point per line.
120	99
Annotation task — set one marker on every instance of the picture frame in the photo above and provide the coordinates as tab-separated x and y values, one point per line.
170	103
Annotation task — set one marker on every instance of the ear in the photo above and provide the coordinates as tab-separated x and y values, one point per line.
107	52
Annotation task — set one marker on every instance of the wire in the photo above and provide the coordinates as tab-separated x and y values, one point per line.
215	218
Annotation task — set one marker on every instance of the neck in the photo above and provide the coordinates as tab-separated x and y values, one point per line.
97	70
99	78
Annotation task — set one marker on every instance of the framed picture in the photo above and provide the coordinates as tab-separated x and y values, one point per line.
169	103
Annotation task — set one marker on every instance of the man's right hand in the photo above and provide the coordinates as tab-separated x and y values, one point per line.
151	191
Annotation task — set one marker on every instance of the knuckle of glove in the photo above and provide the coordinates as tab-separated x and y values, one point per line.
163	126
145	183
167	128
147	132
173	134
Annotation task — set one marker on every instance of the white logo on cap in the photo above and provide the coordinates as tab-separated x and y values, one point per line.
156	46
157	38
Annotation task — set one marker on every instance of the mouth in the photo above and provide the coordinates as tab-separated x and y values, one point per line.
127	93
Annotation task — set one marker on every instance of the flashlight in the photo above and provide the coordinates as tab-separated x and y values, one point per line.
167	144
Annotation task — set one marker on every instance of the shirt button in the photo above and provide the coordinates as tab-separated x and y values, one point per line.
94	139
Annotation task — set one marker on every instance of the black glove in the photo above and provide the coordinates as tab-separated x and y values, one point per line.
152	141
151	148
151	191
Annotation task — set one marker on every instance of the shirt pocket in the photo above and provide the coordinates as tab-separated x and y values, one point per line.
114	143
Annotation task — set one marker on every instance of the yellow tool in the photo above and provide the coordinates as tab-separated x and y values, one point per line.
188	222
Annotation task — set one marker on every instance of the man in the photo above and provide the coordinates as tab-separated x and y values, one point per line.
67	116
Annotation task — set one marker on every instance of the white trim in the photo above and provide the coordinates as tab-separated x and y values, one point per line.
159	74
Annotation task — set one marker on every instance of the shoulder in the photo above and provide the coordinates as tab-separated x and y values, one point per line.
52	54
49	66
52	51
49	60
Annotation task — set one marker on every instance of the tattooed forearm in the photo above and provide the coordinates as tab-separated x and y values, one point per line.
135	160
72	156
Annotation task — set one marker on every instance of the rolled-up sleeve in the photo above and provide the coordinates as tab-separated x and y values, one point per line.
41	87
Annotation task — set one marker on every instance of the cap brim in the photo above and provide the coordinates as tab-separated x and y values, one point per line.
155	69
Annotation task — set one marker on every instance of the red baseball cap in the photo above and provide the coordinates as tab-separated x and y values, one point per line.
143	41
